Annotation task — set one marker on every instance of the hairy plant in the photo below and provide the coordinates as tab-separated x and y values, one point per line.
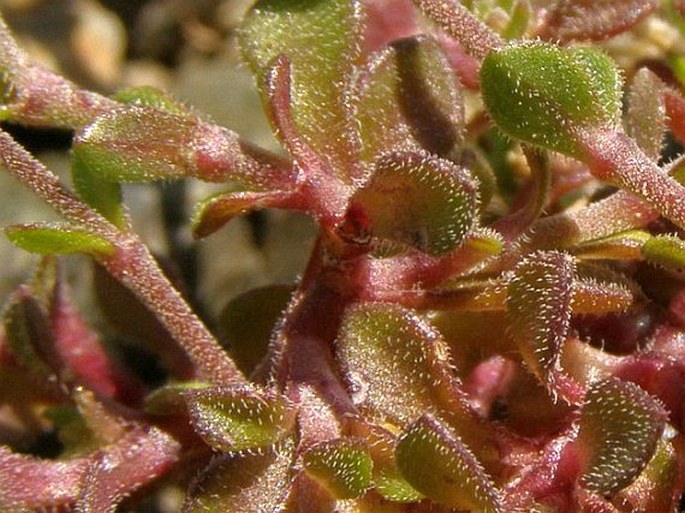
493	315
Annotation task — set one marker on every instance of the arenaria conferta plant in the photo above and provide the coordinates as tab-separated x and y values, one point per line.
492	318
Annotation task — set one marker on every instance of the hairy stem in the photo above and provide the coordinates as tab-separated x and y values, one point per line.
132	264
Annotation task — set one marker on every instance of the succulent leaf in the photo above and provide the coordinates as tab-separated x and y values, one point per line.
392	361
438	464
408	97
543	94
539	298
419	200
343	466
243	483
322	40
234	419
387	479
51	239
117	147
619	428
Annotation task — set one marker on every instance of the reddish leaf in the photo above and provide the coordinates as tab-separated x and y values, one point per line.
580	20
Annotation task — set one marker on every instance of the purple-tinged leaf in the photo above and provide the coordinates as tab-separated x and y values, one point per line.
388	21
436	462
455	19
646	113
243	483
234	419
397	368
619	212
118	147
52	238
614	157
580	20
28	484
403	271
675	110
408	97
322	40
539	298
343	466
137	459
620	425
418	200
214	212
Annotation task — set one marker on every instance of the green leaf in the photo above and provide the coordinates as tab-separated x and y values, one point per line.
343	466
543	94
50	239
388	480
665	250
234	419
518	21
438	464
170	399
394	362
408	97
539	299
148	96
419	200
245	483
248	321
104	196
142	144
322	40
620	425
